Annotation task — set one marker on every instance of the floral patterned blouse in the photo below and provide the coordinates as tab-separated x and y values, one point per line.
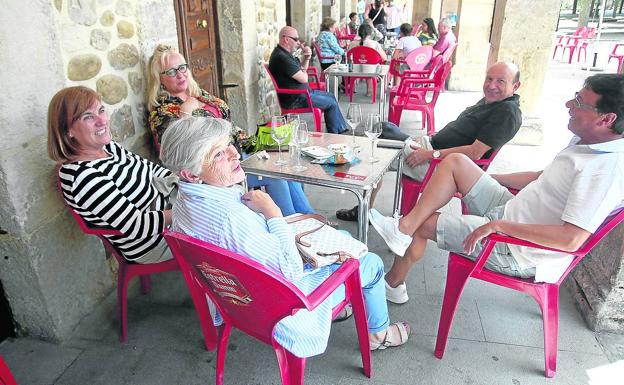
168	110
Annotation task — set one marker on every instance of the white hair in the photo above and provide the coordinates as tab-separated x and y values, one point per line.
186	142
446	22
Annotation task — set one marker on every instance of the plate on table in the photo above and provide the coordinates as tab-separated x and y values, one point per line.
317	152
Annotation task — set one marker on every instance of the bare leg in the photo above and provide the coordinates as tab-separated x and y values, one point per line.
456	173
402	265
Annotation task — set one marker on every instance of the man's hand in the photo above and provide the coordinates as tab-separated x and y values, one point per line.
307	52
477	235
261	202
418	156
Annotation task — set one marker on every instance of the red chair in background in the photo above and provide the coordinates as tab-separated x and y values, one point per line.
617	53
126	271
6	378
420	95
460	269
344	36
582	46
317	50
426	73
562	40
417	60
244	292
412	188
316	81
577	41
362	55
316	112
446	55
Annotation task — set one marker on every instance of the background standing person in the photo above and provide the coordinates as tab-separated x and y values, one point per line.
394	15
378	16
360	8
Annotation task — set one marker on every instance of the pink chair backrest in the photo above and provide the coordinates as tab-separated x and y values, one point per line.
317	49
418	59
617	49
446	55
243	290
363	55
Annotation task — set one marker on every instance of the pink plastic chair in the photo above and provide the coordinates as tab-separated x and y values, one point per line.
617	54
425	73
562	40
419	95
412	188
545	294
126	271
446	55
317	49
362	55
317	113
245	294
6	378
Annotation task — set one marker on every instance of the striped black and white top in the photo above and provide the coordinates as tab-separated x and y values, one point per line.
117	193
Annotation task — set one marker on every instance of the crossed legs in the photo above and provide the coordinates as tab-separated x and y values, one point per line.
457	173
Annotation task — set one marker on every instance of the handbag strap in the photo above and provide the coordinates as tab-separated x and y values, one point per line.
298	218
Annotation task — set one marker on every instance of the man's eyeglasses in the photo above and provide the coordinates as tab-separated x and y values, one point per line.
182	68
582	106
294	38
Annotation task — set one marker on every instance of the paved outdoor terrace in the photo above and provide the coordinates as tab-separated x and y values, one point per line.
496	338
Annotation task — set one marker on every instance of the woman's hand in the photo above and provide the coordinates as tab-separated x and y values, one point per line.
477	235
190	105
261	202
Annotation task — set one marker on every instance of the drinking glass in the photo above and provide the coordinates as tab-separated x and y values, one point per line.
337	60
279	133
354	117
300	138
373	130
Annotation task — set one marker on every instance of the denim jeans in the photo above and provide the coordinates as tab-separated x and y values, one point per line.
288	196
374	290
334	121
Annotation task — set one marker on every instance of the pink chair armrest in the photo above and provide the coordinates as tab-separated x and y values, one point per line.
337	278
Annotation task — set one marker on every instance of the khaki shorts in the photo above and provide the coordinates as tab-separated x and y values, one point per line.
418	172
485	202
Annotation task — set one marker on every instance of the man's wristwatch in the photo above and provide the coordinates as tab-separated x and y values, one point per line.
436	154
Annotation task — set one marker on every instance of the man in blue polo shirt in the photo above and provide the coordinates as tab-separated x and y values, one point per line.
290	72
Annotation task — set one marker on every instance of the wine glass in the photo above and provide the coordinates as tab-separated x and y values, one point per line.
279	133
337	60
373	130
354	117
293	121
300	138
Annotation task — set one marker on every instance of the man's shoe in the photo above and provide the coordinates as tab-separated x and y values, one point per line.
388	228
350	215
396	294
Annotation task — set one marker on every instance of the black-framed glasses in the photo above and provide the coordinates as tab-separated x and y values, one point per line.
182	68
582	106
294	38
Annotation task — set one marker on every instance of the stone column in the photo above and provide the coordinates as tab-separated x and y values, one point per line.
528	44
472	52
52	274
426	8
597	284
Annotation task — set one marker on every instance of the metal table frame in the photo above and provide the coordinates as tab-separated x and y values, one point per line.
317	174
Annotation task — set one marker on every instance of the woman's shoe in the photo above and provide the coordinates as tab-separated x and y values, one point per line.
404	331
344	314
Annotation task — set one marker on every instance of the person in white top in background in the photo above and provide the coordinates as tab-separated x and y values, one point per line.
559	207
407	43
394	15
360	7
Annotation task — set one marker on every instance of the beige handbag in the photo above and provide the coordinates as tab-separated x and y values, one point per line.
320	244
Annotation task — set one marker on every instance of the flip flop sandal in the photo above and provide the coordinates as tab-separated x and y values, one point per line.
387	343
344	314
350	215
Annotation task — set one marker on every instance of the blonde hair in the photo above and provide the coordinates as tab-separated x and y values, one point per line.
65	108
155	66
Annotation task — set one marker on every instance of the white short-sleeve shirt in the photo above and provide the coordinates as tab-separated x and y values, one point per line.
582	186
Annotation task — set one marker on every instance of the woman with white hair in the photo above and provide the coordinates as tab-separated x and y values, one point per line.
211	206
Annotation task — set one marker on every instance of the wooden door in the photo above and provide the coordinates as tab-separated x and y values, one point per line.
198	38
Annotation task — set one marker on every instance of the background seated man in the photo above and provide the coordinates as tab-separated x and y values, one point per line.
290	72
476	133
559	207
446	38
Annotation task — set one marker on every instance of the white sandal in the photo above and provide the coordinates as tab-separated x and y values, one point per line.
404	333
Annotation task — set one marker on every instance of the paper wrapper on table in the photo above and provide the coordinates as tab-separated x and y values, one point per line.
320	244
337	155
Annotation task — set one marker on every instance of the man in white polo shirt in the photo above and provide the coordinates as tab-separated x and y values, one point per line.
559	207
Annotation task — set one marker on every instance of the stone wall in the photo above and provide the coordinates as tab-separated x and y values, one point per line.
596	284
